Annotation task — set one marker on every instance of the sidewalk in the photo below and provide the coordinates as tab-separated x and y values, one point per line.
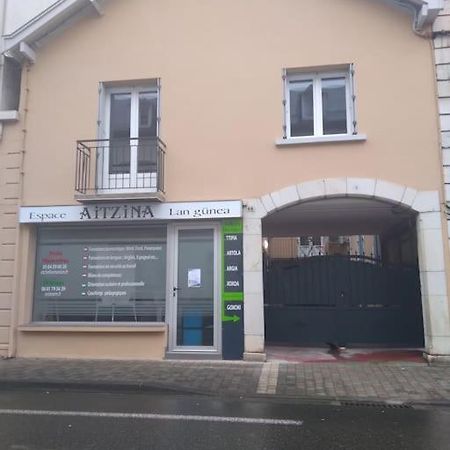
381	382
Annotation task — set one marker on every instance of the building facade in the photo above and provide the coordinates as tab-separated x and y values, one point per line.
152	150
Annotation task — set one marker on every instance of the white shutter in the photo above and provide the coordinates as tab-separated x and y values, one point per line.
101	131
354	124
285	106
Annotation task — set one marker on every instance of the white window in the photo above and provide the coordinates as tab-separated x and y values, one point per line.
319	105
129	125
310	246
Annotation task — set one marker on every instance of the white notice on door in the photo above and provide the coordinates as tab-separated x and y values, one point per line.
194	278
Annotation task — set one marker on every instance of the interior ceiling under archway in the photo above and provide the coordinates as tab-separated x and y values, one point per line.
337	216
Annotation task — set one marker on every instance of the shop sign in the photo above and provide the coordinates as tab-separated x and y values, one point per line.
232	290
124	212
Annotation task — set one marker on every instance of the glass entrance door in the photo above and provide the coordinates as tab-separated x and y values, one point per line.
194	293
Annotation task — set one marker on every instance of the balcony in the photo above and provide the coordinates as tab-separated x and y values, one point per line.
120	169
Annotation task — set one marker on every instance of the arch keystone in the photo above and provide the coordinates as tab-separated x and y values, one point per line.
361	186
335	187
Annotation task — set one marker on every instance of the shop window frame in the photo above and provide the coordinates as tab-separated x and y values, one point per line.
34	321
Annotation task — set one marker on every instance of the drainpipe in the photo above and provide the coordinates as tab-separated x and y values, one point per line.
17	260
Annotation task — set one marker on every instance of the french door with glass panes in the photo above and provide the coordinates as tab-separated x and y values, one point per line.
128	154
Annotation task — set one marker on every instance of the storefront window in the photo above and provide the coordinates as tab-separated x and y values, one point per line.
100	275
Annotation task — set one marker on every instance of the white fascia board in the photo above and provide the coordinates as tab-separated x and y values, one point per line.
9	116
27	52
428	12
46	22
98	8
416	2
434	8
435	4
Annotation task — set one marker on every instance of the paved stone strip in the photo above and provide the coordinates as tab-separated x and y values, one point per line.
215	377
403	382
268	379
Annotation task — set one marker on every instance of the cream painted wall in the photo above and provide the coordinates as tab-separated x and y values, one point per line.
220	65
112	345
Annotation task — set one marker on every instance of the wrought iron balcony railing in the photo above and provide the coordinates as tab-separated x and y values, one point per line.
118	168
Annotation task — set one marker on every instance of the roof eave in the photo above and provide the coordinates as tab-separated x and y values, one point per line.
48	21
58	14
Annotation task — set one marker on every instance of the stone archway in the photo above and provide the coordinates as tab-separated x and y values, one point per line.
430	249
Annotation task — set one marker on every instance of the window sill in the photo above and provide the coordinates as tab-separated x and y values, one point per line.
320	139
157	327
9	116
151	195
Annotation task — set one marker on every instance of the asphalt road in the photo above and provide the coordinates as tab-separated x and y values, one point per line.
54	420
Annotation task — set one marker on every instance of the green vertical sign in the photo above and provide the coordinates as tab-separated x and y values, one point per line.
232	289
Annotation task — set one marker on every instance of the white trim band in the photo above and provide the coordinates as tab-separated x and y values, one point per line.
178	417
320	139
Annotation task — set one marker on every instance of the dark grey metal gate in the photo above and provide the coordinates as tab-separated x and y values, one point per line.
343	299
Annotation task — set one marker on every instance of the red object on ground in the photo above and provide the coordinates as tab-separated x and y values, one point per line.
321	355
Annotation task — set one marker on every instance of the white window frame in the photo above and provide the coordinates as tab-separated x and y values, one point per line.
106	91
134	115
317	76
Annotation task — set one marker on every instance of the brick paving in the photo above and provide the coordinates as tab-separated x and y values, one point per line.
403	382
408	382
193	376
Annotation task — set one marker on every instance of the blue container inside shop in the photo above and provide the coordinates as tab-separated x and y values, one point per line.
192	330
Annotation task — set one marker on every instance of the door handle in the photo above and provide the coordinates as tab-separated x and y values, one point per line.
174	290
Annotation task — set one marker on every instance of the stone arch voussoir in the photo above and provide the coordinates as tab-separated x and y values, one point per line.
419	201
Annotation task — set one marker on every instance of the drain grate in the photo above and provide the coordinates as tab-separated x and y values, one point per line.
376	404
